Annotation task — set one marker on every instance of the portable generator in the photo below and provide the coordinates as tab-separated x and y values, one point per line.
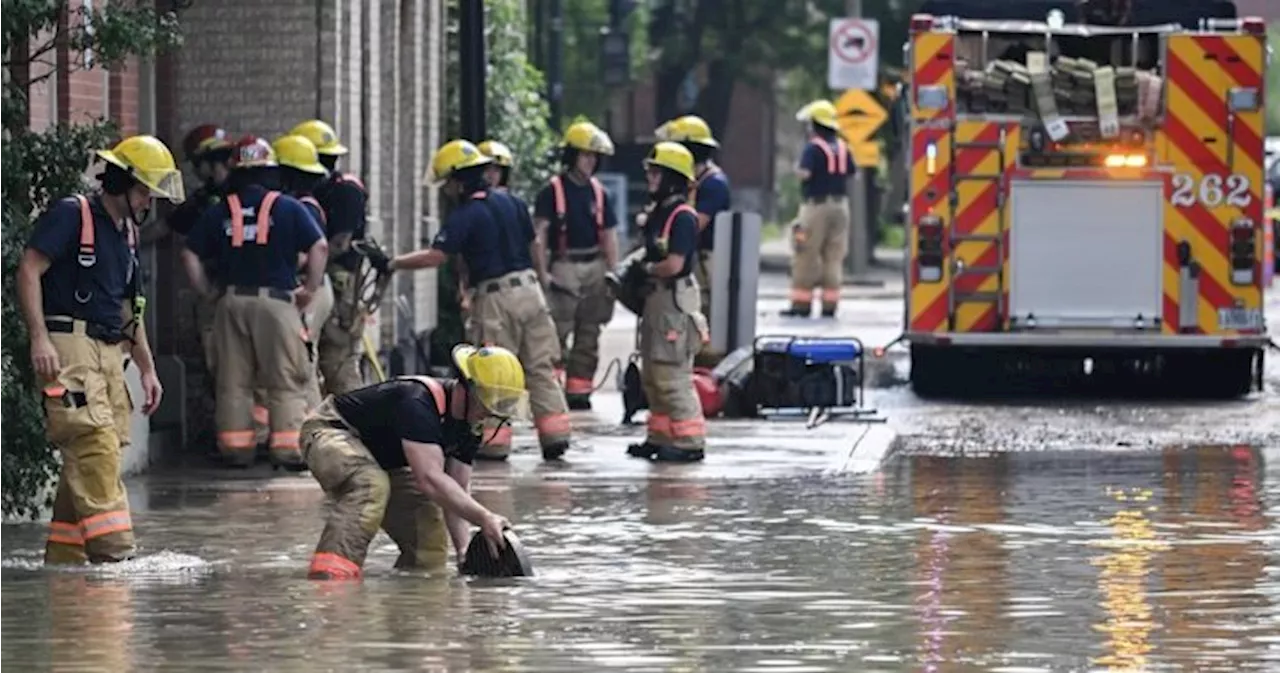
817	378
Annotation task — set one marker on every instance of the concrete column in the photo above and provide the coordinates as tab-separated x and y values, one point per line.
426	302
411	161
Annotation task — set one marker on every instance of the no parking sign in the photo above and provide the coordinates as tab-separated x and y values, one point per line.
852	48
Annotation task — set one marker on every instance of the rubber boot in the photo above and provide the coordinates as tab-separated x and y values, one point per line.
797	311
828	311
492	458
643	450
670	454
555	450
578	401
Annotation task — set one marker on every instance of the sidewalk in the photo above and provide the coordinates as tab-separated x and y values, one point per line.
885	272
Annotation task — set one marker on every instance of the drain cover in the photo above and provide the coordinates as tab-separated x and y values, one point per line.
511	562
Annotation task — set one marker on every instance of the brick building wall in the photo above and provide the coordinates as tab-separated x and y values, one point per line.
258	67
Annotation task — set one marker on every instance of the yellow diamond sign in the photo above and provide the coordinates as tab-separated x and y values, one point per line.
859	116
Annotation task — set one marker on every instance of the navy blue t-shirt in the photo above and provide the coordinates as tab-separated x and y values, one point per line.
293	230
492	232
822	180
579	217
711	197
680	239
343	198
57	236
384	414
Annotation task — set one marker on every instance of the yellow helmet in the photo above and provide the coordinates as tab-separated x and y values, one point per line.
672	155
150	162
452	157
297	152
321	135
587	137
496	376
692	129
501	154
820	112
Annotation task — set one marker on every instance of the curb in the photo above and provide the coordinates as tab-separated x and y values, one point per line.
873	446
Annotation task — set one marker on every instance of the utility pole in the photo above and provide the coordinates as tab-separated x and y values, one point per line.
555	58
857	259
471	57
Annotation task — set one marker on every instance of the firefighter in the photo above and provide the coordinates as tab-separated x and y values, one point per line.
820	237
709	196
79	289
493	236
343	197
261	341
391	455
300	172
498	173
577	245
208	149
672	327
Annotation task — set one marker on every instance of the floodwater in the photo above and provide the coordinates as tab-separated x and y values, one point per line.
1062	561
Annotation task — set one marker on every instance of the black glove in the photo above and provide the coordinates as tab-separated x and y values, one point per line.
378	259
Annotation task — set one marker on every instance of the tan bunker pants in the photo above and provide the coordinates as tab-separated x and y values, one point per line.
261	344
671	333
511	311
87	417
341	337
581	306
364	498
820	242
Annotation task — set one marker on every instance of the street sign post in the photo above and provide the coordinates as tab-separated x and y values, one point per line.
852	47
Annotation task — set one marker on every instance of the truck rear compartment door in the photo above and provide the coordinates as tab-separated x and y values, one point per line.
1085	253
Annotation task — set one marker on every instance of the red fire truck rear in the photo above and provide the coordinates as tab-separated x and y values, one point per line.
1086	201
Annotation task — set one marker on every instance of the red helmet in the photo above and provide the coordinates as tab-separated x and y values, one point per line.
252	152
204	138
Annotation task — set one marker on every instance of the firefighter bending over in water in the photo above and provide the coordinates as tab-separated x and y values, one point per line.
672	327
821	237
79	289
391	455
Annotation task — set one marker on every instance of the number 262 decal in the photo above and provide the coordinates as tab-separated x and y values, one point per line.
1212	191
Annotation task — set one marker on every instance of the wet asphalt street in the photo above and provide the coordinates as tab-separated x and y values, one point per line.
1088	535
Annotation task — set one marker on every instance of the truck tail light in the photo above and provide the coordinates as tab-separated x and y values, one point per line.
1253	25
929	248
1244	252
1126	160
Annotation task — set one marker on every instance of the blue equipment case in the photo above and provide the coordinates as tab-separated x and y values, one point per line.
815	378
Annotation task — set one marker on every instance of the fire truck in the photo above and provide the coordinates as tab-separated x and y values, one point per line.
1085	199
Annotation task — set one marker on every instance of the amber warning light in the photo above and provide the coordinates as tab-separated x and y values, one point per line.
1126	160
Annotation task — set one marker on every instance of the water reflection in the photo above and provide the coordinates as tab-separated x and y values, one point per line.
960	567
1123	573
1213	584
1068	561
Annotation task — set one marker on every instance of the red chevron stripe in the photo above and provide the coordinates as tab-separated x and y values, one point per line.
965	163
931	318
1171	312
1230	61
982	205
1211	103
935	68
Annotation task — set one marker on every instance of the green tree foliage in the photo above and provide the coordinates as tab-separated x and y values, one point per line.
41	167
754	41
516	114
585	21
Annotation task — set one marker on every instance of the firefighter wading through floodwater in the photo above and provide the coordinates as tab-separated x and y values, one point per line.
79	286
